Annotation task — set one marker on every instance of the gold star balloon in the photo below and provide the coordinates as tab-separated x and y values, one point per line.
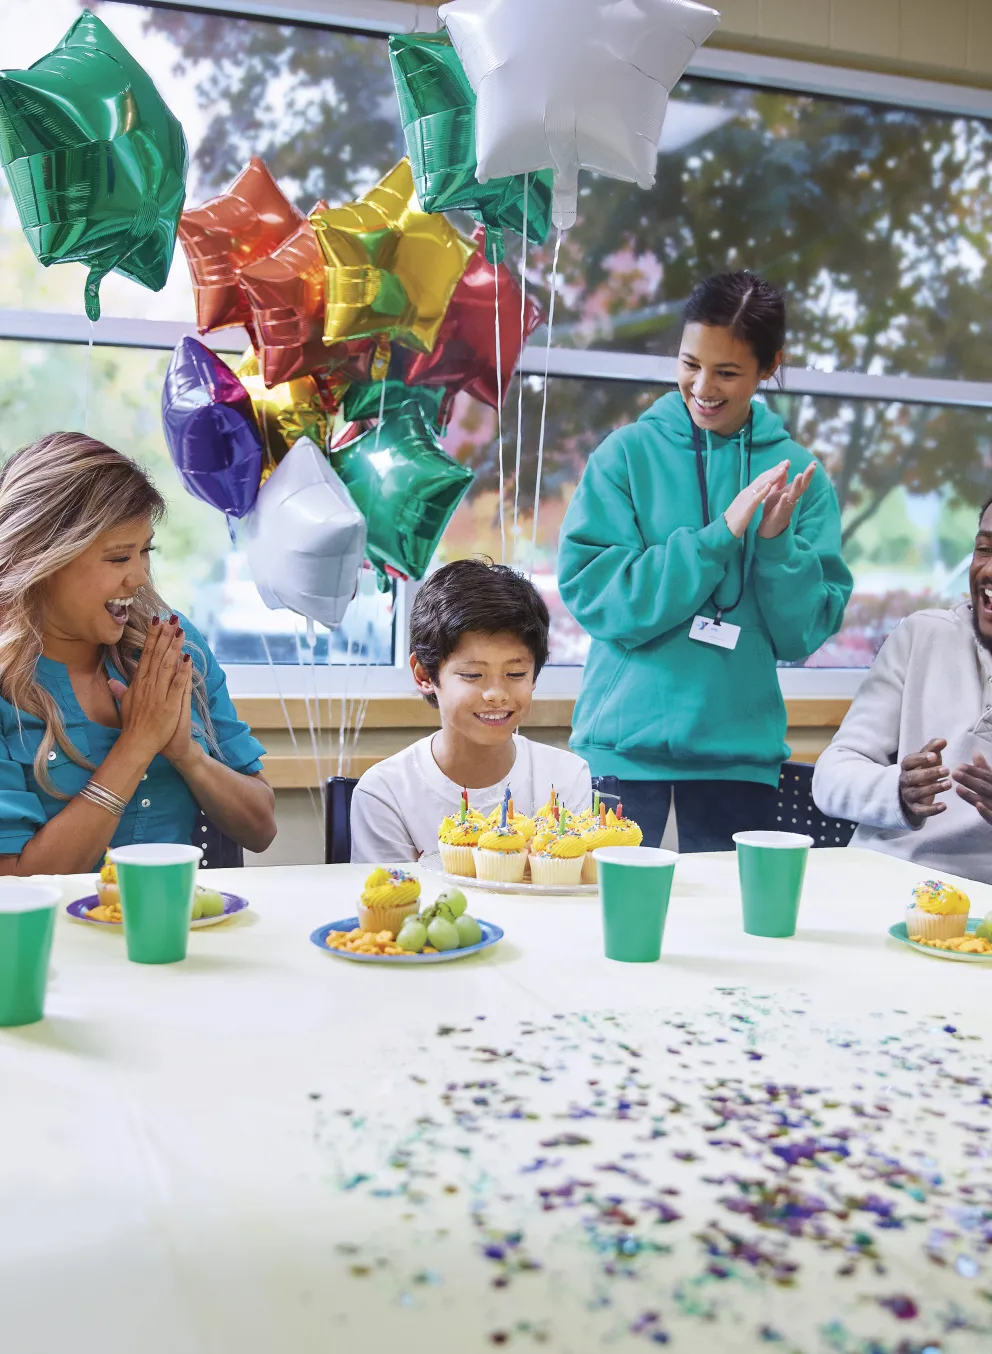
391	269
287	412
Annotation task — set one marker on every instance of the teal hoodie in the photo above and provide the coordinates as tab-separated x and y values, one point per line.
636	564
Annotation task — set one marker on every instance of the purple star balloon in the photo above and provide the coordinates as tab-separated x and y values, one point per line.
210	429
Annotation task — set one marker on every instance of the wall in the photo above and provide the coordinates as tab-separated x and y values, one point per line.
946	40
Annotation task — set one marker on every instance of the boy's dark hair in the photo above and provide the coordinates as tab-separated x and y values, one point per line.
475	594
751	308
985	507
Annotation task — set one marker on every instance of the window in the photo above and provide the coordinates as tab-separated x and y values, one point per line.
873	217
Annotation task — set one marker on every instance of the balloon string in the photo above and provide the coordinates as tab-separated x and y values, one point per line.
382	409
499	425
520	383
544	402
86	384
285	715
345	708
306	701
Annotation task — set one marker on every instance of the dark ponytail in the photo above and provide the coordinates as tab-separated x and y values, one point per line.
751	308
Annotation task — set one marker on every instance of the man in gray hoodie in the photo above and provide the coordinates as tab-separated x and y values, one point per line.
911	762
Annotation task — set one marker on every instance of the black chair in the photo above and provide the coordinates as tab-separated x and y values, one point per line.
219	852
337	819
796	812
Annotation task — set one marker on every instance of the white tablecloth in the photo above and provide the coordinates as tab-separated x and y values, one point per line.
269	1149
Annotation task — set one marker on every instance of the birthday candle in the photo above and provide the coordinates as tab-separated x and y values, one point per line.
619	810
596	801
506	805
509	810
563	821
602	814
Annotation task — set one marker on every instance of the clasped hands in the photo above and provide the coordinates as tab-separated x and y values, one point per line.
772	491
923	776
156	713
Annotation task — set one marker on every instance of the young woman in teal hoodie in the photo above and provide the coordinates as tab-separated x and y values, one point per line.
702	546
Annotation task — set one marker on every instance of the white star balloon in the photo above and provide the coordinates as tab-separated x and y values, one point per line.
304	538
573	84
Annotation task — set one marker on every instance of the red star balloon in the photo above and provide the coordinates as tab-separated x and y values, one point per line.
226	234
286	294
464	357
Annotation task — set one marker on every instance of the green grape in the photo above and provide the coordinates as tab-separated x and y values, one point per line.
984	930
412	936
469	931
211	902
455	900
197	912
443	934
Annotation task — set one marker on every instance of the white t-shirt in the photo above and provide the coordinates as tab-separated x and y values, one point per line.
398	805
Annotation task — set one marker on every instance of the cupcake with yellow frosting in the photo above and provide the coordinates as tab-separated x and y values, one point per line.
389	897
549	814
524	825
939	912
457	838
556	855
611	829
106	885
501	855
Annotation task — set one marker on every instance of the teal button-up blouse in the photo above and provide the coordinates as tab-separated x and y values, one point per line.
163	808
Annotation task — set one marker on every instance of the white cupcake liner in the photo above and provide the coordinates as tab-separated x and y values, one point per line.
457	859
376	919
506	867
934	925
550	870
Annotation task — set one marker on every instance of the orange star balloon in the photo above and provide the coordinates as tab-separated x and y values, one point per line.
229	232
391	269
286	294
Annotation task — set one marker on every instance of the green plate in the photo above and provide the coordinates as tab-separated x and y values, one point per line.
899	932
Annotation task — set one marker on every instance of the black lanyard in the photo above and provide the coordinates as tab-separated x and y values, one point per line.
697	439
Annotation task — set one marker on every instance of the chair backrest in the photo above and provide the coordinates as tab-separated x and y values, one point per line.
219	852
337	819
796	812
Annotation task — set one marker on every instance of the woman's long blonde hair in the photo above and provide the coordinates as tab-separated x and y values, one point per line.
56	497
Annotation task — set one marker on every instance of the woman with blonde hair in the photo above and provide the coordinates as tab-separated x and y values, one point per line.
115	721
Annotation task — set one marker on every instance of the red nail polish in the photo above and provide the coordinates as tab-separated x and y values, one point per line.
173	619
180	633
185	657
156	621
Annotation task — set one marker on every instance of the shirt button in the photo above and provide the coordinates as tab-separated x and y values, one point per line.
52	756
145	776
145	803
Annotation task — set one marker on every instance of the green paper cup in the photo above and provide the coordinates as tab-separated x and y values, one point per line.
157	884
772	867
27	923
635	884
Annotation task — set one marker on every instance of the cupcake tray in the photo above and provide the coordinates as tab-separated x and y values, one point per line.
899	932
431	861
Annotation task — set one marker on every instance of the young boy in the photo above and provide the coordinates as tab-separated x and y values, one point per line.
479	635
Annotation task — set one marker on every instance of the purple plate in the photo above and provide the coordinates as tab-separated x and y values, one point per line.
232	905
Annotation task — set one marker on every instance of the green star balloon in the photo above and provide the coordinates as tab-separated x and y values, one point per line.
95	161
364	399
406	487
437	108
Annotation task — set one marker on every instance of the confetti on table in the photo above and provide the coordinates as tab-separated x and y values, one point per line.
751	1176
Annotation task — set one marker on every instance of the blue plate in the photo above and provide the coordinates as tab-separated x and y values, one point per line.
899	932
79	911
491	935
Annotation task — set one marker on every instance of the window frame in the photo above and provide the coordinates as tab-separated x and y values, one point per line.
379	17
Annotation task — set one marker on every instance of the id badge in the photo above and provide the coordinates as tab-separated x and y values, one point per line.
706	630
